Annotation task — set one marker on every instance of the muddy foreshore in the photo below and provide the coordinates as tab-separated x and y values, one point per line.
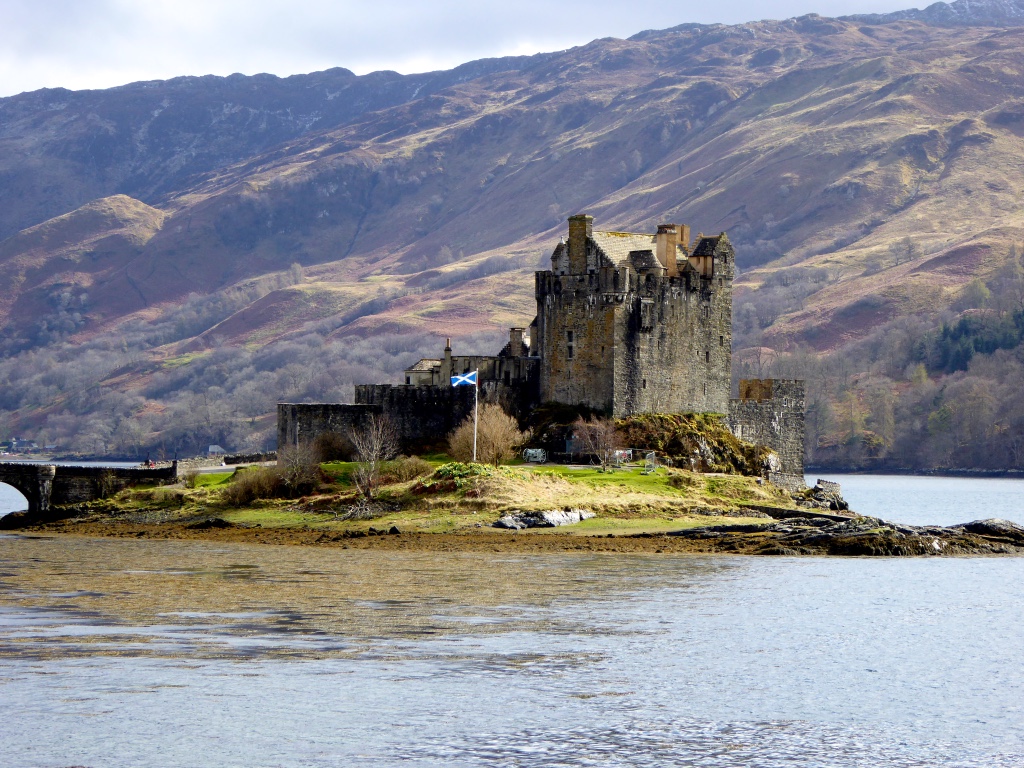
858	536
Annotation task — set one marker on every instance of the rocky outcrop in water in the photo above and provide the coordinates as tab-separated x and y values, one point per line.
861	536
824	495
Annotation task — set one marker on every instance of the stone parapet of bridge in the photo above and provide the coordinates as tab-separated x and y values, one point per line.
46	486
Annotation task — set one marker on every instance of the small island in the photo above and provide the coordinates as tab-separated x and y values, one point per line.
623	378
436	505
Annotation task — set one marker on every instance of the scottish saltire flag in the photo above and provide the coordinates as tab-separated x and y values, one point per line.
464	379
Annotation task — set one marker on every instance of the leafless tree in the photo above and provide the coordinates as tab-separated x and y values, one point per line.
374	442
598	437
498	436
300	467
904	250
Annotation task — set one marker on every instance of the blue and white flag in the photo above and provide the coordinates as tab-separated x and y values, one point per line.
464	379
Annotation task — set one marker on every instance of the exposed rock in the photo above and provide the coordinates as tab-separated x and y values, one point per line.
997	528
210	522
867	536
549	519
824	495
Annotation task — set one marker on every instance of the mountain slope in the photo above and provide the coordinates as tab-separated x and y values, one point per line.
866	172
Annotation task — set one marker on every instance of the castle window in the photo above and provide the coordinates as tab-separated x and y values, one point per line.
644	384
721	341
508	378
719	282
707	357
571	345
408	380
646	314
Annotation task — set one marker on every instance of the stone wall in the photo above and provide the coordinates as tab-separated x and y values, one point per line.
576	320
75	485
673	353
249	458
422	415
299	424
771	412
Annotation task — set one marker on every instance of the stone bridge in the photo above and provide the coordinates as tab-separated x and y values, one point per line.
49	485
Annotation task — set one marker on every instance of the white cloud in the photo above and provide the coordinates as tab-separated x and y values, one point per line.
101	43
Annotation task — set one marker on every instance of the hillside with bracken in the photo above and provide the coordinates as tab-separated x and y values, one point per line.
180	255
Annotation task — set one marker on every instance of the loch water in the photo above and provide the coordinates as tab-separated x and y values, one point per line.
177	653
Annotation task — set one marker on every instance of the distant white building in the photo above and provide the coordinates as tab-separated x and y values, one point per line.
215	450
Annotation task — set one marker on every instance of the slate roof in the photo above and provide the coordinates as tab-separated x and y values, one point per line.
426	364
644	259
616	246
706	246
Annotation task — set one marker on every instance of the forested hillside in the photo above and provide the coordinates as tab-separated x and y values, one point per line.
180	255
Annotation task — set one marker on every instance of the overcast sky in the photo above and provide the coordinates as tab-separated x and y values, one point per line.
101	43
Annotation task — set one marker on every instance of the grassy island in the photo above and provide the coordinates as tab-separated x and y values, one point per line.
437	496
435	504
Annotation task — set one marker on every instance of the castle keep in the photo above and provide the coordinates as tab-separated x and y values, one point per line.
630	323
626	323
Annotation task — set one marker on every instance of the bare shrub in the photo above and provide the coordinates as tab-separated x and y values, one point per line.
405	468
374	442
299	467
254	483
189	478
498	437
598	437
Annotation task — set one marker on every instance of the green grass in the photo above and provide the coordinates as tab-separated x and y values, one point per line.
632	478
340	472
626	500
213	479
180	360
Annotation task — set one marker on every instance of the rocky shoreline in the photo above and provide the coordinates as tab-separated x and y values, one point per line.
863	536
796	536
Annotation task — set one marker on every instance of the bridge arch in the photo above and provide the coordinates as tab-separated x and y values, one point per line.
9	499
33	481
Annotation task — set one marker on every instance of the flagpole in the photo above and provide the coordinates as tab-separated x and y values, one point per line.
476	401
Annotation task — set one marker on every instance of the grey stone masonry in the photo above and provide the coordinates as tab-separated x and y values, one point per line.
419	413
770	412
45	486
630	323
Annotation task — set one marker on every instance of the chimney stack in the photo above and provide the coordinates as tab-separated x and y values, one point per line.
684	237
516	348
581	227
665	248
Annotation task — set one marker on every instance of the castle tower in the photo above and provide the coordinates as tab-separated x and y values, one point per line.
632	323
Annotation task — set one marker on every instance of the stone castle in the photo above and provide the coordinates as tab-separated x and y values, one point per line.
626	323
